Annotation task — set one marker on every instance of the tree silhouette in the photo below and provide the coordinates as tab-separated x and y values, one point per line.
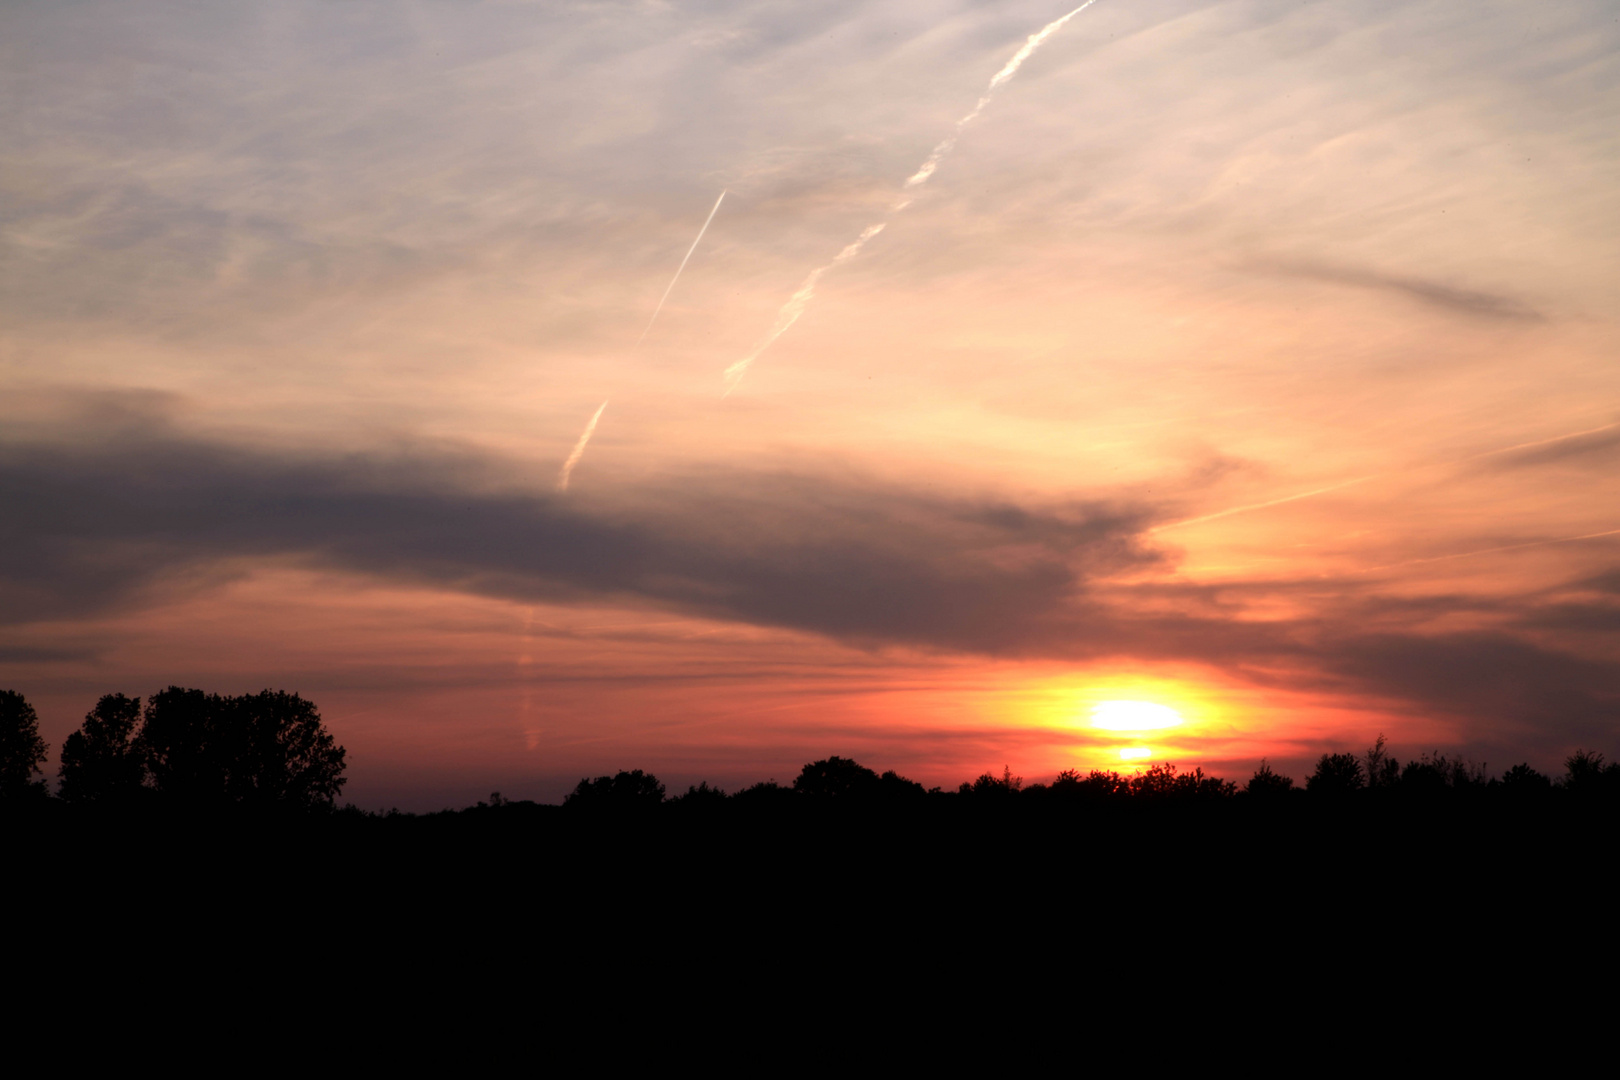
835	776
633	790
1336	774
1097	784
1523	779
101	761
1383	771
22	751
767	795
1163	782
1268	783
265	749
286	756
891	785
702	794
989	784
1434	772
184	744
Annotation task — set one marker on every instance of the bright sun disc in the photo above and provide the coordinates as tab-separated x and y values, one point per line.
1136	753
1133	716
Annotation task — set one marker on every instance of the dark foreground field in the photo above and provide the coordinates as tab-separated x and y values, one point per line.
946	867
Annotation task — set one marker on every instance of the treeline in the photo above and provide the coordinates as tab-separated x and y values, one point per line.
1337	779
183	748
270	751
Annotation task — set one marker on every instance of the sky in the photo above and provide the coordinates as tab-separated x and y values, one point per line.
1254	359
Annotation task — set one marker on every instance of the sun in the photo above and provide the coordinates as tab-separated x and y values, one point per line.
1133	716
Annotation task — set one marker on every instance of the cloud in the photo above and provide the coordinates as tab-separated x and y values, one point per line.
101	522
1507	688
1580	618
92	524
1449	298
1605	583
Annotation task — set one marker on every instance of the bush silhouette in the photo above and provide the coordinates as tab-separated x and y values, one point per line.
22	751
632	790
993	786
1433	773
1586	774
1163	782
1523	779
101	761
891	785
835	776
1336	774
765	794
1267	783
1097	784
845	778
702	793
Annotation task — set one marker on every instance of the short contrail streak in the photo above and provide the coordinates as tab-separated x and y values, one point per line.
800	300
678	269
579	449
1262	505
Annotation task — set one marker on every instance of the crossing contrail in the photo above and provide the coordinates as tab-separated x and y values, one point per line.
1492	550
590	428
579	449
1262	505
800	300
681	267
1380	475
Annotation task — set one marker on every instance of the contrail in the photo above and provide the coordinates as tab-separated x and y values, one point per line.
1538	442
1263	505
579	449
590	428
1035	41
678	269
1389	472
800	300
1492	550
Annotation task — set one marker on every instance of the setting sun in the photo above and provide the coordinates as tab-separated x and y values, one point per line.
1133	716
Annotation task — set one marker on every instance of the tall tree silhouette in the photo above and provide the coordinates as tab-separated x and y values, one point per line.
22	751
101	761
265	749
1383	771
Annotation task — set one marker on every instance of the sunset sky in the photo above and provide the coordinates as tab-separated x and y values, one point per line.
1259	360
